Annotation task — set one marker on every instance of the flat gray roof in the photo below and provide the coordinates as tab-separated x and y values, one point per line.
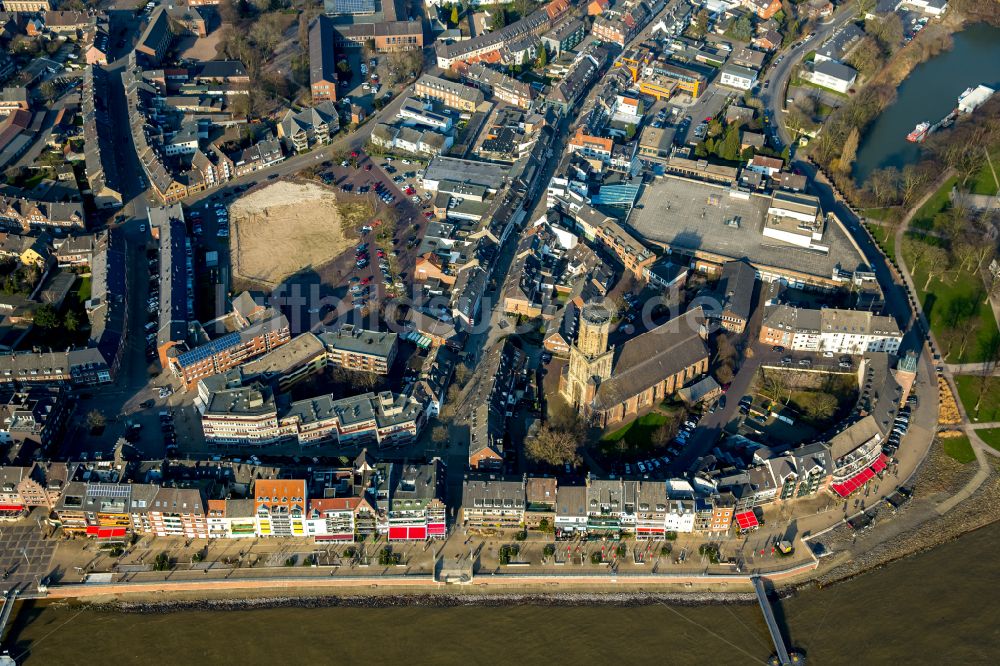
692	216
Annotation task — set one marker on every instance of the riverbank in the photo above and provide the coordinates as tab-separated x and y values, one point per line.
859	115
916	527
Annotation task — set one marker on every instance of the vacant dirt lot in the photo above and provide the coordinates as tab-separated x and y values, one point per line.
282	229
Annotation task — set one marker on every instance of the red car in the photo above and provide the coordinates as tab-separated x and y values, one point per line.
368	167
428	214
366	280
381	254
354	153
409	191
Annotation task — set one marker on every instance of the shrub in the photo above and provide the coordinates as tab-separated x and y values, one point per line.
290	562
549	550
162	562
595	558
521	535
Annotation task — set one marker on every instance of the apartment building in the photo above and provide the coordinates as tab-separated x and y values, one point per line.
334	518
322	61
349	347
593	147
280	506
156	38
309	127
452	94
178	512
493	502
250	416
832	330
500	86
24	215
31	6
266	331
410	500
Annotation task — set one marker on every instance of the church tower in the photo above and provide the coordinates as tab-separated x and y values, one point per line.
590	359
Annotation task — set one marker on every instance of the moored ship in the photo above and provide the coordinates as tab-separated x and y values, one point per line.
919	132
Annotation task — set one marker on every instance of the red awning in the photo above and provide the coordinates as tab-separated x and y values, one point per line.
747	520
11	507
855	482
879	464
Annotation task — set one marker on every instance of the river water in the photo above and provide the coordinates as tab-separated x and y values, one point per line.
929	93
939	607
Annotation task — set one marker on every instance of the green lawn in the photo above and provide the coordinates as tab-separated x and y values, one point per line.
642	426
984	183
991	436
955	290
886	239
968	393
958	448
632	439
924	219
876	213
83	289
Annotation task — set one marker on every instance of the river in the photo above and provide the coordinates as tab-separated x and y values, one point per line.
937	607
929	93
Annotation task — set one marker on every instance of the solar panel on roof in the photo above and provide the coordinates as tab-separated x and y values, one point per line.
354	6
209	349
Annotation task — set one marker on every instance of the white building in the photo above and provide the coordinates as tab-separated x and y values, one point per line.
795	219
833	75
628	110
929	7
833	330
741	78
414	112
679	515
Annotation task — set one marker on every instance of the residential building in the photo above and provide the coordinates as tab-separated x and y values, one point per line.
741	78
764	9
266	331
493	502
250	415
564	37
309	127
500	86
571	510
156	38
830	330
23	214
178	512
280	506
410	497
31	6
735	293
323	77
541	496
833	75
449	93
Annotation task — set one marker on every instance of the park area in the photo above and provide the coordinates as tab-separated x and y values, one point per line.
282	229
984	392
953	297
991	436
958	448
641	436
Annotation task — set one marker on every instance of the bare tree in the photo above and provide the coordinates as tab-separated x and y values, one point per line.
554	447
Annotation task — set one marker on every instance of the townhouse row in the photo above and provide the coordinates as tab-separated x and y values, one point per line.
401	501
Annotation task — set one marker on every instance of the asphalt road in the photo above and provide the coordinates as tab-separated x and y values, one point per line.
779	74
